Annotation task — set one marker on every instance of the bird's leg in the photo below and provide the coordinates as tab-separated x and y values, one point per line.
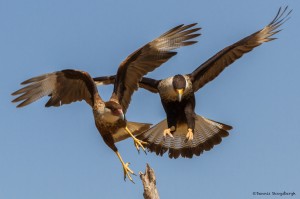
138	143
108	139
190	119
190	134
126	169
168	131
171	120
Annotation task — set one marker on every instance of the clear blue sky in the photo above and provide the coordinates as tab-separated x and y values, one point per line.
58	153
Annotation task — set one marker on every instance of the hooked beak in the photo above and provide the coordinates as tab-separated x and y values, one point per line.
121	114
180	92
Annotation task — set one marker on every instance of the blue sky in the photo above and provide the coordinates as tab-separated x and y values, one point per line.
58	153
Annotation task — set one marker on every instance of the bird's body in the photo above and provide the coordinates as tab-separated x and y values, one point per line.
178	112
183	132
107	124
67	86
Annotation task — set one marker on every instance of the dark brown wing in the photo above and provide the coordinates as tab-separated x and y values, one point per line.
146	59
149	84
145	83
63	87
216	64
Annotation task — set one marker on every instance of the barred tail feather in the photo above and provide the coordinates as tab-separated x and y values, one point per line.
207	133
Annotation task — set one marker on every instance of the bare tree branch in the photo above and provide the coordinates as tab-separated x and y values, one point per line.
149	183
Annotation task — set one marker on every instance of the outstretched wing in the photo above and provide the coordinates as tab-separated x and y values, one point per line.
63	87
146	59
216	64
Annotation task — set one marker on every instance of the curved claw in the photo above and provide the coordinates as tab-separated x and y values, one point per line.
167	132
139	143
190	135
128	172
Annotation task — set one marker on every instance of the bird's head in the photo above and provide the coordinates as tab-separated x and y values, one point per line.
113	111
179	85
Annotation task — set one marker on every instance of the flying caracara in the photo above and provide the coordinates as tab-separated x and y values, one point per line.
184	132
67	86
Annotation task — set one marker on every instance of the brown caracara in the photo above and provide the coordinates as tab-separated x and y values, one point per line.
184	132
67	86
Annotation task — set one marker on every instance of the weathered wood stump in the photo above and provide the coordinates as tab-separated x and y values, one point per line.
149	183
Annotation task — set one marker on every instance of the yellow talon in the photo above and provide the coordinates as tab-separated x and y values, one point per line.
168	132
138	143
190	135
127	171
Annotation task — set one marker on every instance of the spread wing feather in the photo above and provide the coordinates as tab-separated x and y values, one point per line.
146	59
63	87
216	64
